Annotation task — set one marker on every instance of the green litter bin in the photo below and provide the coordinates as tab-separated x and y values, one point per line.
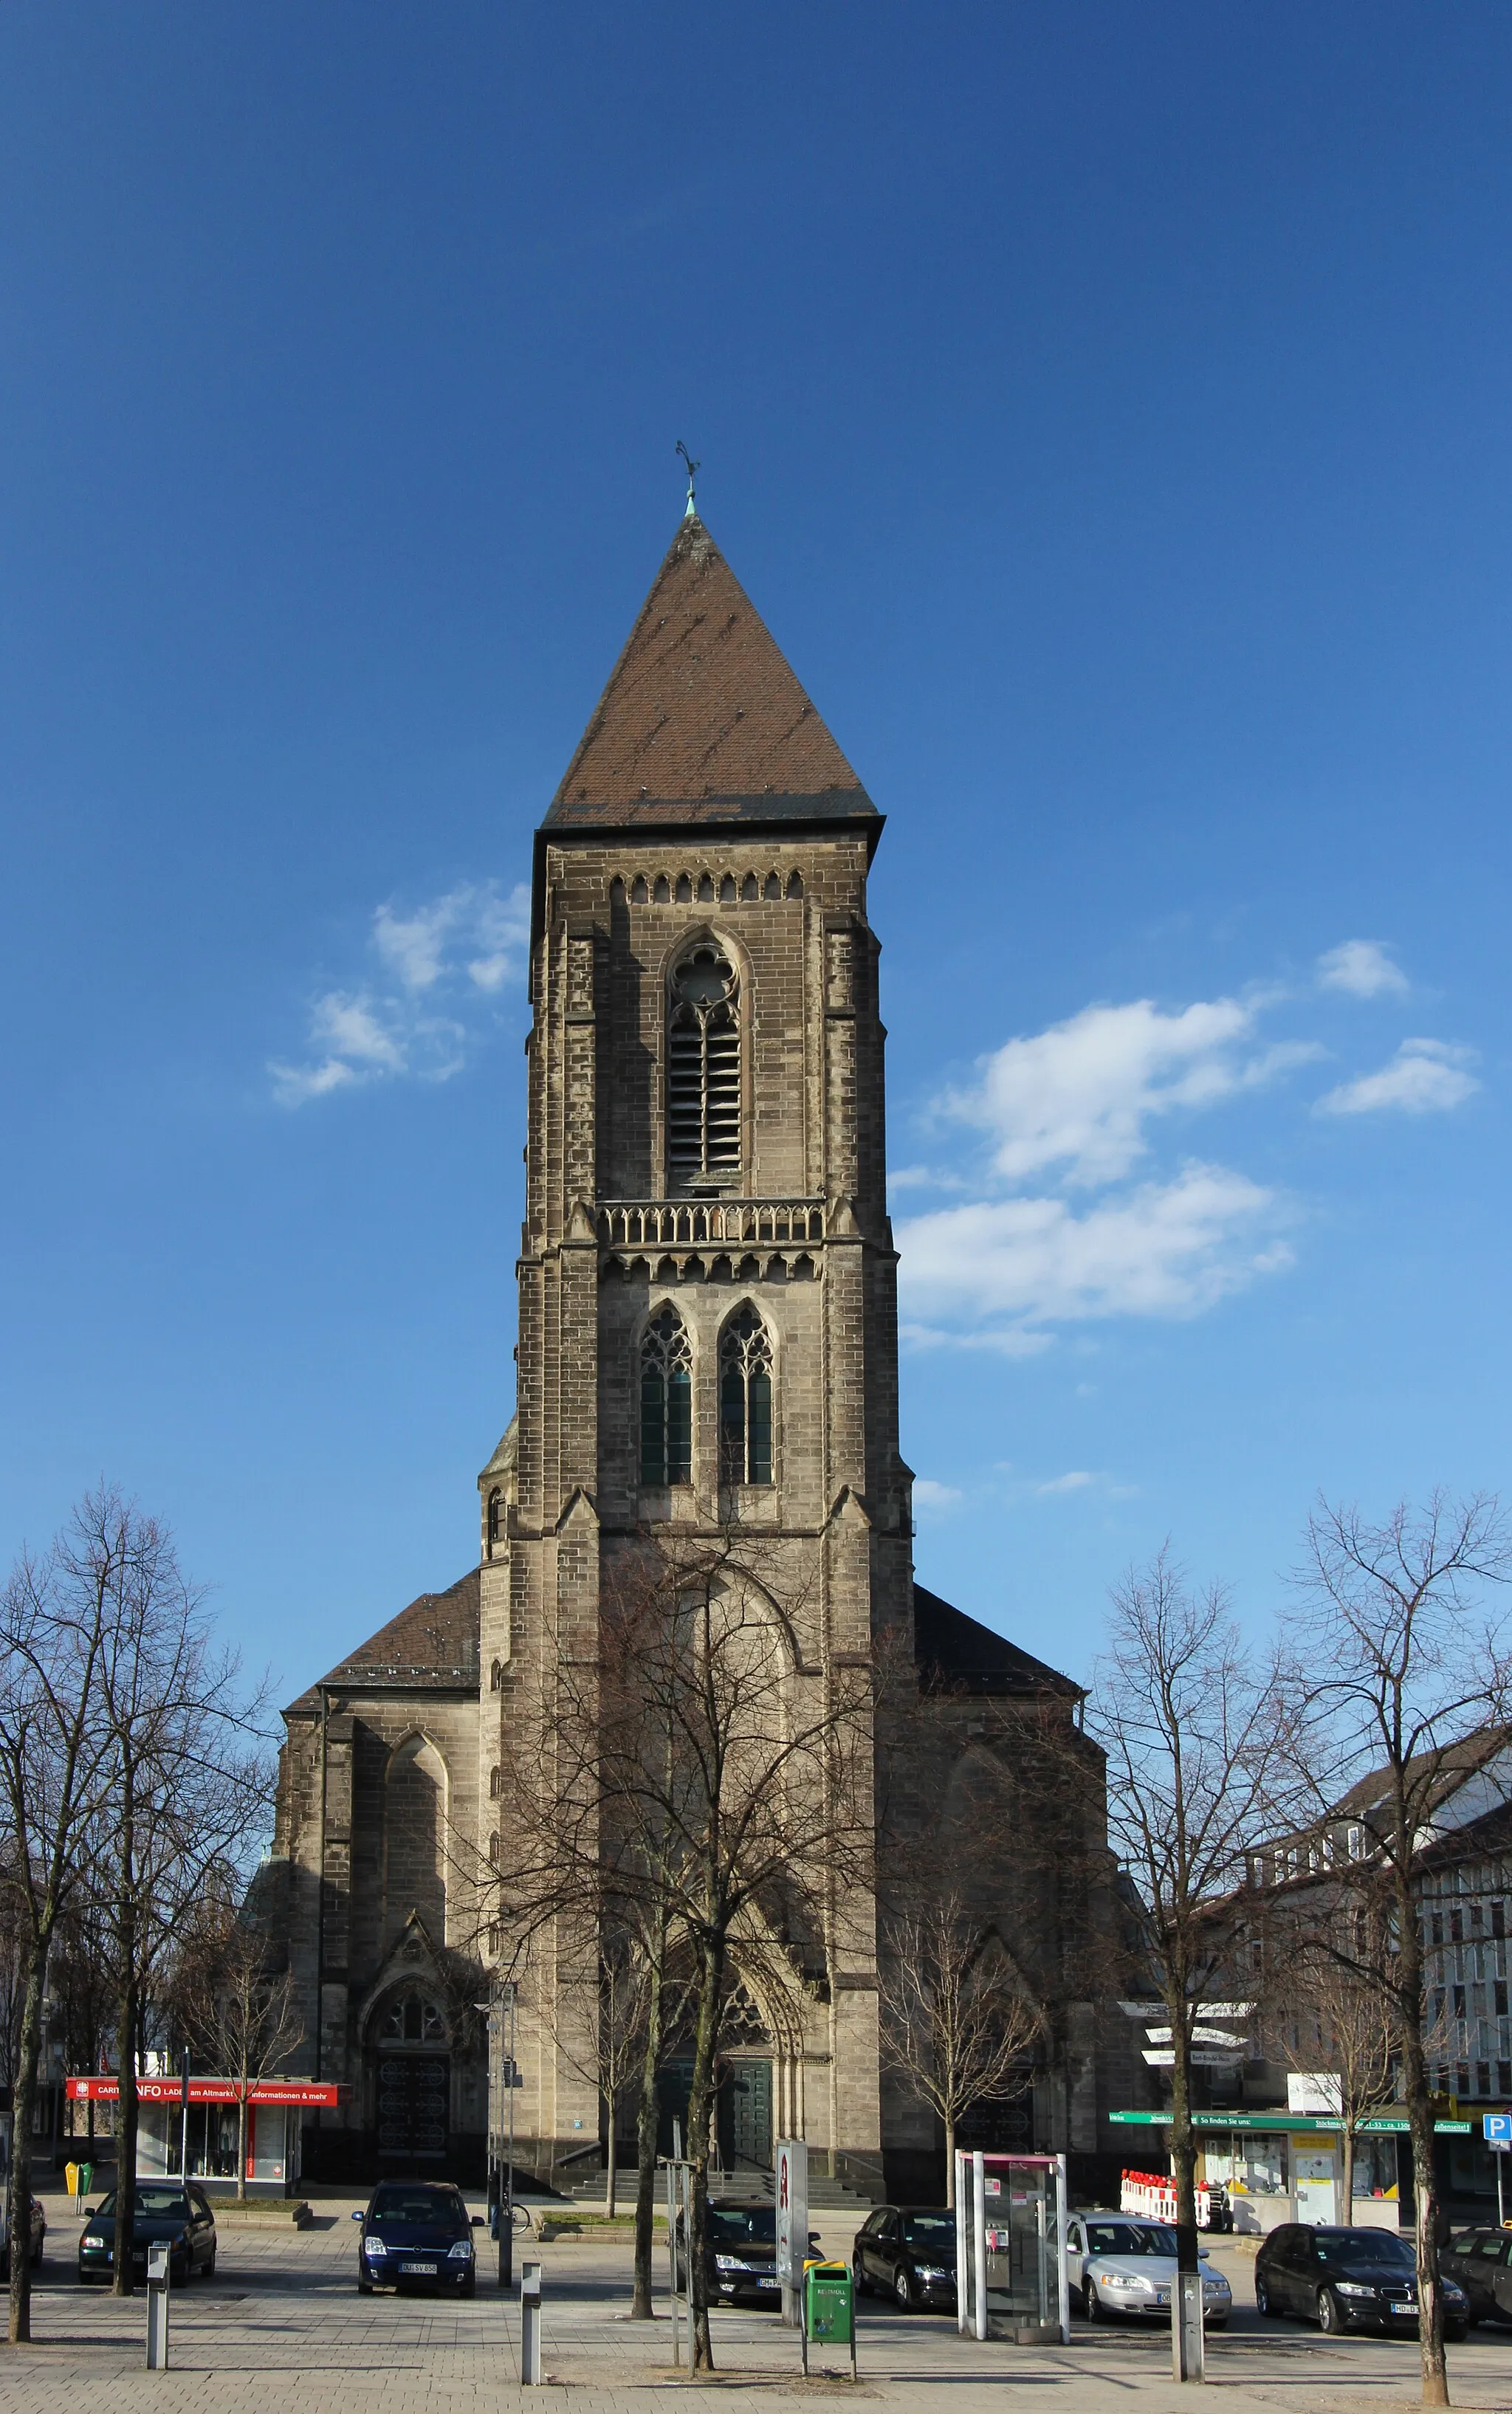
828	2308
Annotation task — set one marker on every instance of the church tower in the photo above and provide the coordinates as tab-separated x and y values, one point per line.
707	1322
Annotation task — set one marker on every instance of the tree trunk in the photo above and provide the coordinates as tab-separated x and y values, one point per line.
1183	2153
700	2109
950	2162
241	2143
609	2182
23	2102
1347	2213
648	2119
127	2116
1419	2106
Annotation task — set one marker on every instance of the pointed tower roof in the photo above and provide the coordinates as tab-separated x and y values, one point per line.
702	720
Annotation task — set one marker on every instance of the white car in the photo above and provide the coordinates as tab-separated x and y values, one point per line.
1118	2263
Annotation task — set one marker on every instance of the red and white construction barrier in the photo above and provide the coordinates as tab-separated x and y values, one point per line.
1152	2196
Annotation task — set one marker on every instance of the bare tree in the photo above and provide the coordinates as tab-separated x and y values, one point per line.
699	1765
958	2020
1190	1728
1340	2019
1402	1686
189	1782
80	1984
56	1772
603	2040
234	2005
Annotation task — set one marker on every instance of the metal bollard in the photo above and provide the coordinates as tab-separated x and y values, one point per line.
530	2324
157	2305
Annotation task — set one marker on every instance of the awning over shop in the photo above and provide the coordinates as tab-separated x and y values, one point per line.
1295	2124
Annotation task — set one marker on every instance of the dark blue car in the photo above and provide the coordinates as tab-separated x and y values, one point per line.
417	2234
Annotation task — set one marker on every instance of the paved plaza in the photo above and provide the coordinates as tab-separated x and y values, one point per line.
281	2330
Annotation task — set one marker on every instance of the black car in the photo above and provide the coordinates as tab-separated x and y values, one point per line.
908	2252
1477	2260
1348	2280
38	2239
740	2253
417	2234
164	2209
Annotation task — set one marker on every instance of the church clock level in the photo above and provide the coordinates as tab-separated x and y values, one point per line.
707	1334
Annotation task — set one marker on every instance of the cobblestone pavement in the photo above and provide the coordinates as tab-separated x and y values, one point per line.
281	2330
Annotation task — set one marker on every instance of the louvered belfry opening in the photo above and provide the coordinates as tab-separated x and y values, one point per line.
703	1117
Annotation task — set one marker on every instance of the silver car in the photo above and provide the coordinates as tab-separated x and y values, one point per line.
1118	2263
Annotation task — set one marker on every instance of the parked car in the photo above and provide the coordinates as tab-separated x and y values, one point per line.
907	2252
164	2209
740	2253
1477	2260
1348	2280
1121	2263
417	2234
38	2239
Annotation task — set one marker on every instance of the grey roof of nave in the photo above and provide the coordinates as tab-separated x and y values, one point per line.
433	1645
953	1649
430	1645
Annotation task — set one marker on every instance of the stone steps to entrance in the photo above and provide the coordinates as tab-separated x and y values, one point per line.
730	2187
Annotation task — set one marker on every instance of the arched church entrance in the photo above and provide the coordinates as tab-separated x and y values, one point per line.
745	2133
409	2059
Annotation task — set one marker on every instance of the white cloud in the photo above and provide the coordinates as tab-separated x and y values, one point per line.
936	1500
1004	1341
1076	1479
1169	1249
420	1013
1079	1096
1363	968
1425	1076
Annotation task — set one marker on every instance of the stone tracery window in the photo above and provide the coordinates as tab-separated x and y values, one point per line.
412	2018
703	1070
745	1399
665	1400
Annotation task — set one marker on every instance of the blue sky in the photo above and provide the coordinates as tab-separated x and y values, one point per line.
1106	409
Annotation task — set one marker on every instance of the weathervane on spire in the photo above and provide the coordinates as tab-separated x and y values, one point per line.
694	467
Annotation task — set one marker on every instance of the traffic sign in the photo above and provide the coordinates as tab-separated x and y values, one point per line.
1498	2128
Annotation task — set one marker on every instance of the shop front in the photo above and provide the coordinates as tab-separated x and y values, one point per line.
192	2126
1278	2167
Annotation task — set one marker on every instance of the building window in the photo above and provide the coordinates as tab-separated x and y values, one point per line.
496	1677
703	1071
496	1782
413	2020
665	1400
496	1517
745	1399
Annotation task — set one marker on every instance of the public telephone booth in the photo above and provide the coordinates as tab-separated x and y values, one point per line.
1011	2246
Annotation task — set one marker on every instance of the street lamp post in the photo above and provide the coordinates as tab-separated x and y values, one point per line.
506	2209
502	2076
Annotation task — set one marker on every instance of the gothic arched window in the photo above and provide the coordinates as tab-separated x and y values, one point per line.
665	1400
496	1515
745	1399
703	1069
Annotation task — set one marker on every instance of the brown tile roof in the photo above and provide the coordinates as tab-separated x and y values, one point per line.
434	1643
702	720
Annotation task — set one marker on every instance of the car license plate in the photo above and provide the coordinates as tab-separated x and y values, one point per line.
1163	2295
427	2270
1402	2309
766	2282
